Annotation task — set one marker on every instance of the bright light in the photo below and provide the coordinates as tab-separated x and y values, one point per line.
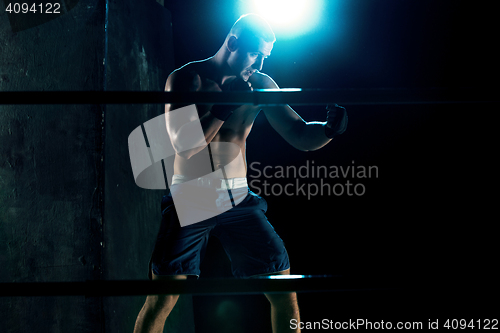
289	18
281	11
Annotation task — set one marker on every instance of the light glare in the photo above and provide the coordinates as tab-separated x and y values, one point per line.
289	18
281	11
284	277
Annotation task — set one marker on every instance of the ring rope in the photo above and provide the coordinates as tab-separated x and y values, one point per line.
292	96
275	284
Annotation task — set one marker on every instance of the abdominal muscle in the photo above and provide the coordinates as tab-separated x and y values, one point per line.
217	155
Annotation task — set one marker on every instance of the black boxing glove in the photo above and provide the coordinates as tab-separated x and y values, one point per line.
336	120
223	111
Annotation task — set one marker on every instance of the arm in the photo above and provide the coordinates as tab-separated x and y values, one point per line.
181	80
300	134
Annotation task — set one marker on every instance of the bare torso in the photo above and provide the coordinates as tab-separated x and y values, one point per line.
234	130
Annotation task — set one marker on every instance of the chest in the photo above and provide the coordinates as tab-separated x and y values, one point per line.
239	124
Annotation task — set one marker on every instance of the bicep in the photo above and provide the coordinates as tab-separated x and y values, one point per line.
182	126
181	82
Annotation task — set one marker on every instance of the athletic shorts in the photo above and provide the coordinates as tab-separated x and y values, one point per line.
249	240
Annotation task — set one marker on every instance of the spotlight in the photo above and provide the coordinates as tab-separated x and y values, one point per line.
289	18
282	12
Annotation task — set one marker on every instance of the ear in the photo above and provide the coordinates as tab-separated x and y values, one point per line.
232	43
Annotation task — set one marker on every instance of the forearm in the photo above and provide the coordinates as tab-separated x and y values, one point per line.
210	126
312	136
188	140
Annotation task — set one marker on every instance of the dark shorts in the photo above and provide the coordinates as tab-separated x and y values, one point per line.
249	240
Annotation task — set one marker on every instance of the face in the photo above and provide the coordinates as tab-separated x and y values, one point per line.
247	58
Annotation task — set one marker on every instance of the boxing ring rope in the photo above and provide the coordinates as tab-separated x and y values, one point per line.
298	283
259	285
292	96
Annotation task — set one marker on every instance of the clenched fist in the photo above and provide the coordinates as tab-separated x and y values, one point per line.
336	120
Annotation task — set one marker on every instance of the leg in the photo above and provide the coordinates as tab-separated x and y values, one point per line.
252	246
284	307
155	311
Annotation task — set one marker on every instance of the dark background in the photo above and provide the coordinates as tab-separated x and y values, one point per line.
423	203
426	221
70	210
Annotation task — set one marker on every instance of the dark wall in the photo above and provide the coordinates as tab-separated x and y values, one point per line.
51	170
69	207
140	57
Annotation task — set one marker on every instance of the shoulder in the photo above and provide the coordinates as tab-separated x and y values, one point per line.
262	81
184	78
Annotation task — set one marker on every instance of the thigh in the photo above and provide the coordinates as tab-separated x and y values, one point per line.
250	241
178	250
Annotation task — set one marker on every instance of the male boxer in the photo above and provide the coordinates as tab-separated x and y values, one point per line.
250	242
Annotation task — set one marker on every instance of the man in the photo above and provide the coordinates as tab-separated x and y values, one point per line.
249	240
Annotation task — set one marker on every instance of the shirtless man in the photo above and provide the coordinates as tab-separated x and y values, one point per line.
252	244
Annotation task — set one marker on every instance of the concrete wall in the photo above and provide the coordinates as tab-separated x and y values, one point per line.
50	169
69	207
140	57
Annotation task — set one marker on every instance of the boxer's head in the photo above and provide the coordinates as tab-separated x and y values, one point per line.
249	42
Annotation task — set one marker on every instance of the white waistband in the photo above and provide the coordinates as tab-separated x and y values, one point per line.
223	184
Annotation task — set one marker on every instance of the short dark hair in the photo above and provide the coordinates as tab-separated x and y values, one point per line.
252	25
